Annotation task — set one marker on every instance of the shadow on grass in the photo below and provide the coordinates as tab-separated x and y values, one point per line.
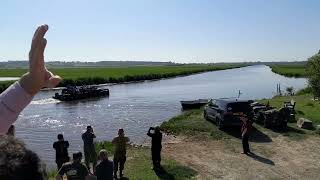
261	159
176	172
124	178
255	136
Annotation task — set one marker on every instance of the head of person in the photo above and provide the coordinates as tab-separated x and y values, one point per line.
157	129
11	131
89	129
121	132
17	162
103	155
77	157
60	137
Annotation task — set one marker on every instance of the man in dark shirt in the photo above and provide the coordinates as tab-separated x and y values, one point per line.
74	170
90	154
104	169
61	146
156	146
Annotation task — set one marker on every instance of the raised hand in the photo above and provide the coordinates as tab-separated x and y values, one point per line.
38	75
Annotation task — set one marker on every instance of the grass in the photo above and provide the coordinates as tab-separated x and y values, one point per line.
298	70
192	123
138	165
100	75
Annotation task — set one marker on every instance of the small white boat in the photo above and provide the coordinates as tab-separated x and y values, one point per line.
193	104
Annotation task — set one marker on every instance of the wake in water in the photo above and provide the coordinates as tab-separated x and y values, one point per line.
45	101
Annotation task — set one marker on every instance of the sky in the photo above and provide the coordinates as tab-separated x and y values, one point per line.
182	31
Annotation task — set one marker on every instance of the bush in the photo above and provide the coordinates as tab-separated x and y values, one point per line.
313	74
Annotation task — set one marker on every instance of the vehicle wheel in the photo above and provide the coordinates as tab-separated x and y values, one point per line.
219	124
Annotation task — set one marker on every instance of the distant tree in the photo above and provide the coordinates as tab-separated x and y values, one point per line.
313	74
290	90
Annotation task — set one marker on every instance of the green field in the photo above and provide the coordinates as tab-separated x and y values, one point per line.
298	70
100	75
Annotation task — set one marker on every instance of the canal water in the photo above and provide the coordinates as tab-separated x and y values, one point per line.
137	106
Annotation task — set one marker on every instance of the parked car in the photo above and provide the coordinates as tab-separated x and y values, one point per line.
227	112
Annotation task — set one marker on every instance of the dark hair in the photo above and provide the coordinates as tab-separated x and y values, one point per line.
60	136
17	162
77	156
89	127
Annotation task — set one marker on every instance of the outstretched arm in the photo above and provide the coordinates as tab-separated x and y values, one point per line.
14	99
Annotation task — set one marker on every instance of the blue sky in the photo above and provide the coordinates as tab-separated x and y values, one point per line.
163	30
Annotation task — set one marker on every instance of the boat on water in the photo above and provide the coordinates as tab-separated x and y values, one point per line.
195	104
72	93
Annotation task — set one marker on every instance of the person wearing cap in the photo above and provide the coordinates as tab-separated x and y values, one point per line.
120	151
89	150
74	170
104	169
156	140
61	146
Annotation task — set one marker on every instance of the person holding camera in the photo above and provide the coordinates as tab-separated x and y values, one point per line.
90	154
155	146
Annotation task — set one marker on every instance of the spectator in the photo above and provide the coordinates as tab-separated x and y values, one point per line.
90	154
74	170
17	162
119	158
104	169
61	146
156	146
11	131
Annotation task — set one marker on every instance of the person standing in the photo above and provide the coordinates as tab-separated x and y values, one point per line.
104	169
90	154
61	146
119	159
245	130
74	170
155	146
11	131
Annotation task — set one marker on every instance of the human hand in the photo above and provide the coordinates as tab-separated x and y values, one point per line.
38	75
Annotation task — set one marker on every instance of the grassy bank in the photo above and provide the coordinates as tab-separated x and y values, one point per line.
138	165
290	70
98	75
192	123
305	106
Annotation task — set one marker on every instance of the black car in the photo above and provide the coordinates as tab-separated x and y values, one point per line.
227	112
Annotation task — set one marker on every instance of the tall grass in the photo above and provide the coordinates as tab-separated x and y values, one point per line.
290	70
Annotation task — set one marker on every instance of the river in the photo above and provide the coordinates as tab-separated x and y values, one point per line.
137	106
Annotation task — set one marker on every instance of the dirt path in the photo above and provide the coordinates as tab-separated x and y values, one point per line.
281	158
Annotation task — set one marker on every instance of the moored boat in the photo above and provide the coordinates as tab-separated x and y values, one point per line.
193	104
